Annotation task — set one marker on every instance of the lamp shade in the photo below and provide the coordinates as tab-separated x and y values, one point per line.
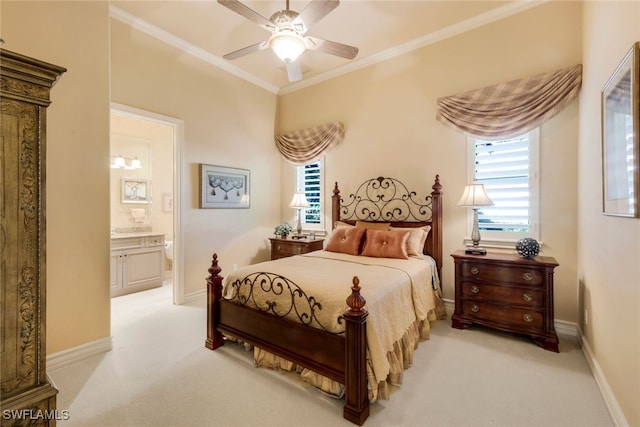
287	45
474	196
299	201
118	162
136	164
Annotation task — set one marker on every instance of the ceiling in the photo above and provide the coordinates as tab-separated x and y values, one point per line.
380	29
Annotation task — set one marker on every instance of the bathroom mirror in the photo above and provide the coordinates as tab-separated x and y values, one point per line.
131	185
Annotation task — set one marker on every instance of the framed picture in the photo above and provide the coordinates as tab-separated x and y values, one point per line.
620	133
135	190
222	187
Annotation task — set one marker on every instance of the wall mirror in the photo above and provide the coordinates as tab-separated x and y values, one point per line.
620	135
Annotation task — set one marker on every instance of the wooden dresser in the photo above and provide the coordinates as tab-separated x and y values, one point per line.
26	395
506	292
281	248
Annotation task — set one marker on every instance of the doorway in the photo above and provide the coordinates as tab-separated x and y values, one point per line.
136	135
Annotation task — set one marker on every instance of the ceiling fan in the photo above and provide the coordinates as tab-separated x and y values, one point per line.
288	29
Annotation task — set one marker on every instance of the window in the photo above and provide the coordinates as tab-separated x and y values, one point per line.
309	179
509	171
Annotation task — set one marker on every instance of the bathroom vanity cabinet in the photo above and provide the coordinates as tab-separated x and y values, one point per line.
137	262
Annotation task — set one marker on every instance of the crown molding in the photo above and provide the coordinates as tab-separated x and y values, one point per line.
172	40
450	31
447	32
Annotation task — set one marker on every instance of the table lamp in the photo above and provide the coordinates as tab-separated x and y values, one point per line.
475	197
299	202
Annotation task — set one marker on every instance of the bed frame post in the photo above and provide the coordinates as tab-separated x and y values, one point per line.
335	206
356	405
214	295
436	229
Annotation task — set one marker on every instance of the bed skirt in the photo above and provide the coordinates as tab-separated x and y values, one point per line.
400	359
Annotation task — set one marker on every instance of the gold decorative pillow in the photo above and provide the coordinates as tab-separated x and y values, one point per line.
373	225
386	244
415	242
346	240
340	224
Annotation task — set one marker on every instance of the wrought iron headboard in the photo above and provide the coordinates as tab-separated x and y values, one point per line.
389	200
384	199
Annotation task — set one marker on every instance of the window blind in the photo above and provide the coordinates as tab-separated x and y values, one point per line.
309	182
503	167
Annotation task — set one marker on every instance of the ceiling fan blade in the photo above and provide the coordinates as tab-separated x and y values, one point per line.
247	12
294	71
332	48
315	11
246	50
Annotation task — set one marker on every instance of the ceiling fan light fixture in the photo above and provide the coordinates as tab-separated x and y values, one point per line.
287	45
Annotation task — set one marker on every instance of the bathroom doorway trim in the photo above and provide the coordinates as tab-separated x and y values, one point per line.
178	138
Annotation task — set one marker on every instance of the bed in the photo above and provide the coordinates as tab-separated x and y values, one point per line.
295	309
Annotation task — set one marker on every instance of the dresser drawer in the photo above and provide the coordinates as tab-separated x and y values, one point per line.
528	297
515	318
499	273
282	248
155	241
287	249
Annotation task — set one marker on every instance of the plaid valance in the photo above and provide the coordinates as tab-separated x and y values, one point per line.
509	109
306	145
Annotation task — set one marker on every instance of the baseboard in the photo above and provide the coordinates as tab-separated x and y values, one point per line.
193	296
607	394
563	327
571	329
76	354
449	306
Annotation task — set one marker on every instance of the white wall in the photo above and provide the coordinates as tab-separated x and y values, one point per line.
74	35
608	246
388	110
389	113
227	122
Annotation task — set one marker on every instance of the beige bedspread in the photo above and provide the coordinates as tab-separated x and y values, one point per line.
399	294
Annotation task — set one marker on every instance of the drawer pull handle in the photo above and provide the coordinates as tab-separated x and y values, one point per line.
527	297
527	276
475	270
475	289
527	318
475	308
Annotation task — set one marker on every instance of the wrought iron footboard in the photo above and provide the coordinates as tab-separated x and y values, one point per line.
298	305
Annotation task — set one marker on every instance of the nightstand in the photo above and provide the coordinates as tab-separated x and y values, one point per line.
281	248
506	292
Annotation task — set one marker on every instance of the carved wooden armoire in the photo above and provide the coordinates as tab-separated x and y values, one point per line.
26	395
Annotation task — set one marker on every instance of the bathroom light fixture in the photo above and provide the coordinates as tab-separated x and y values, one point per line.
121	163
287	45
474	197
135	164
118	162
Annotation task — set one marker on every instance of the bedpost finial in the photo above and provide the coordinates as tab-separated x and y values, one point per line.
355	301
214	270
437	186
336	191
